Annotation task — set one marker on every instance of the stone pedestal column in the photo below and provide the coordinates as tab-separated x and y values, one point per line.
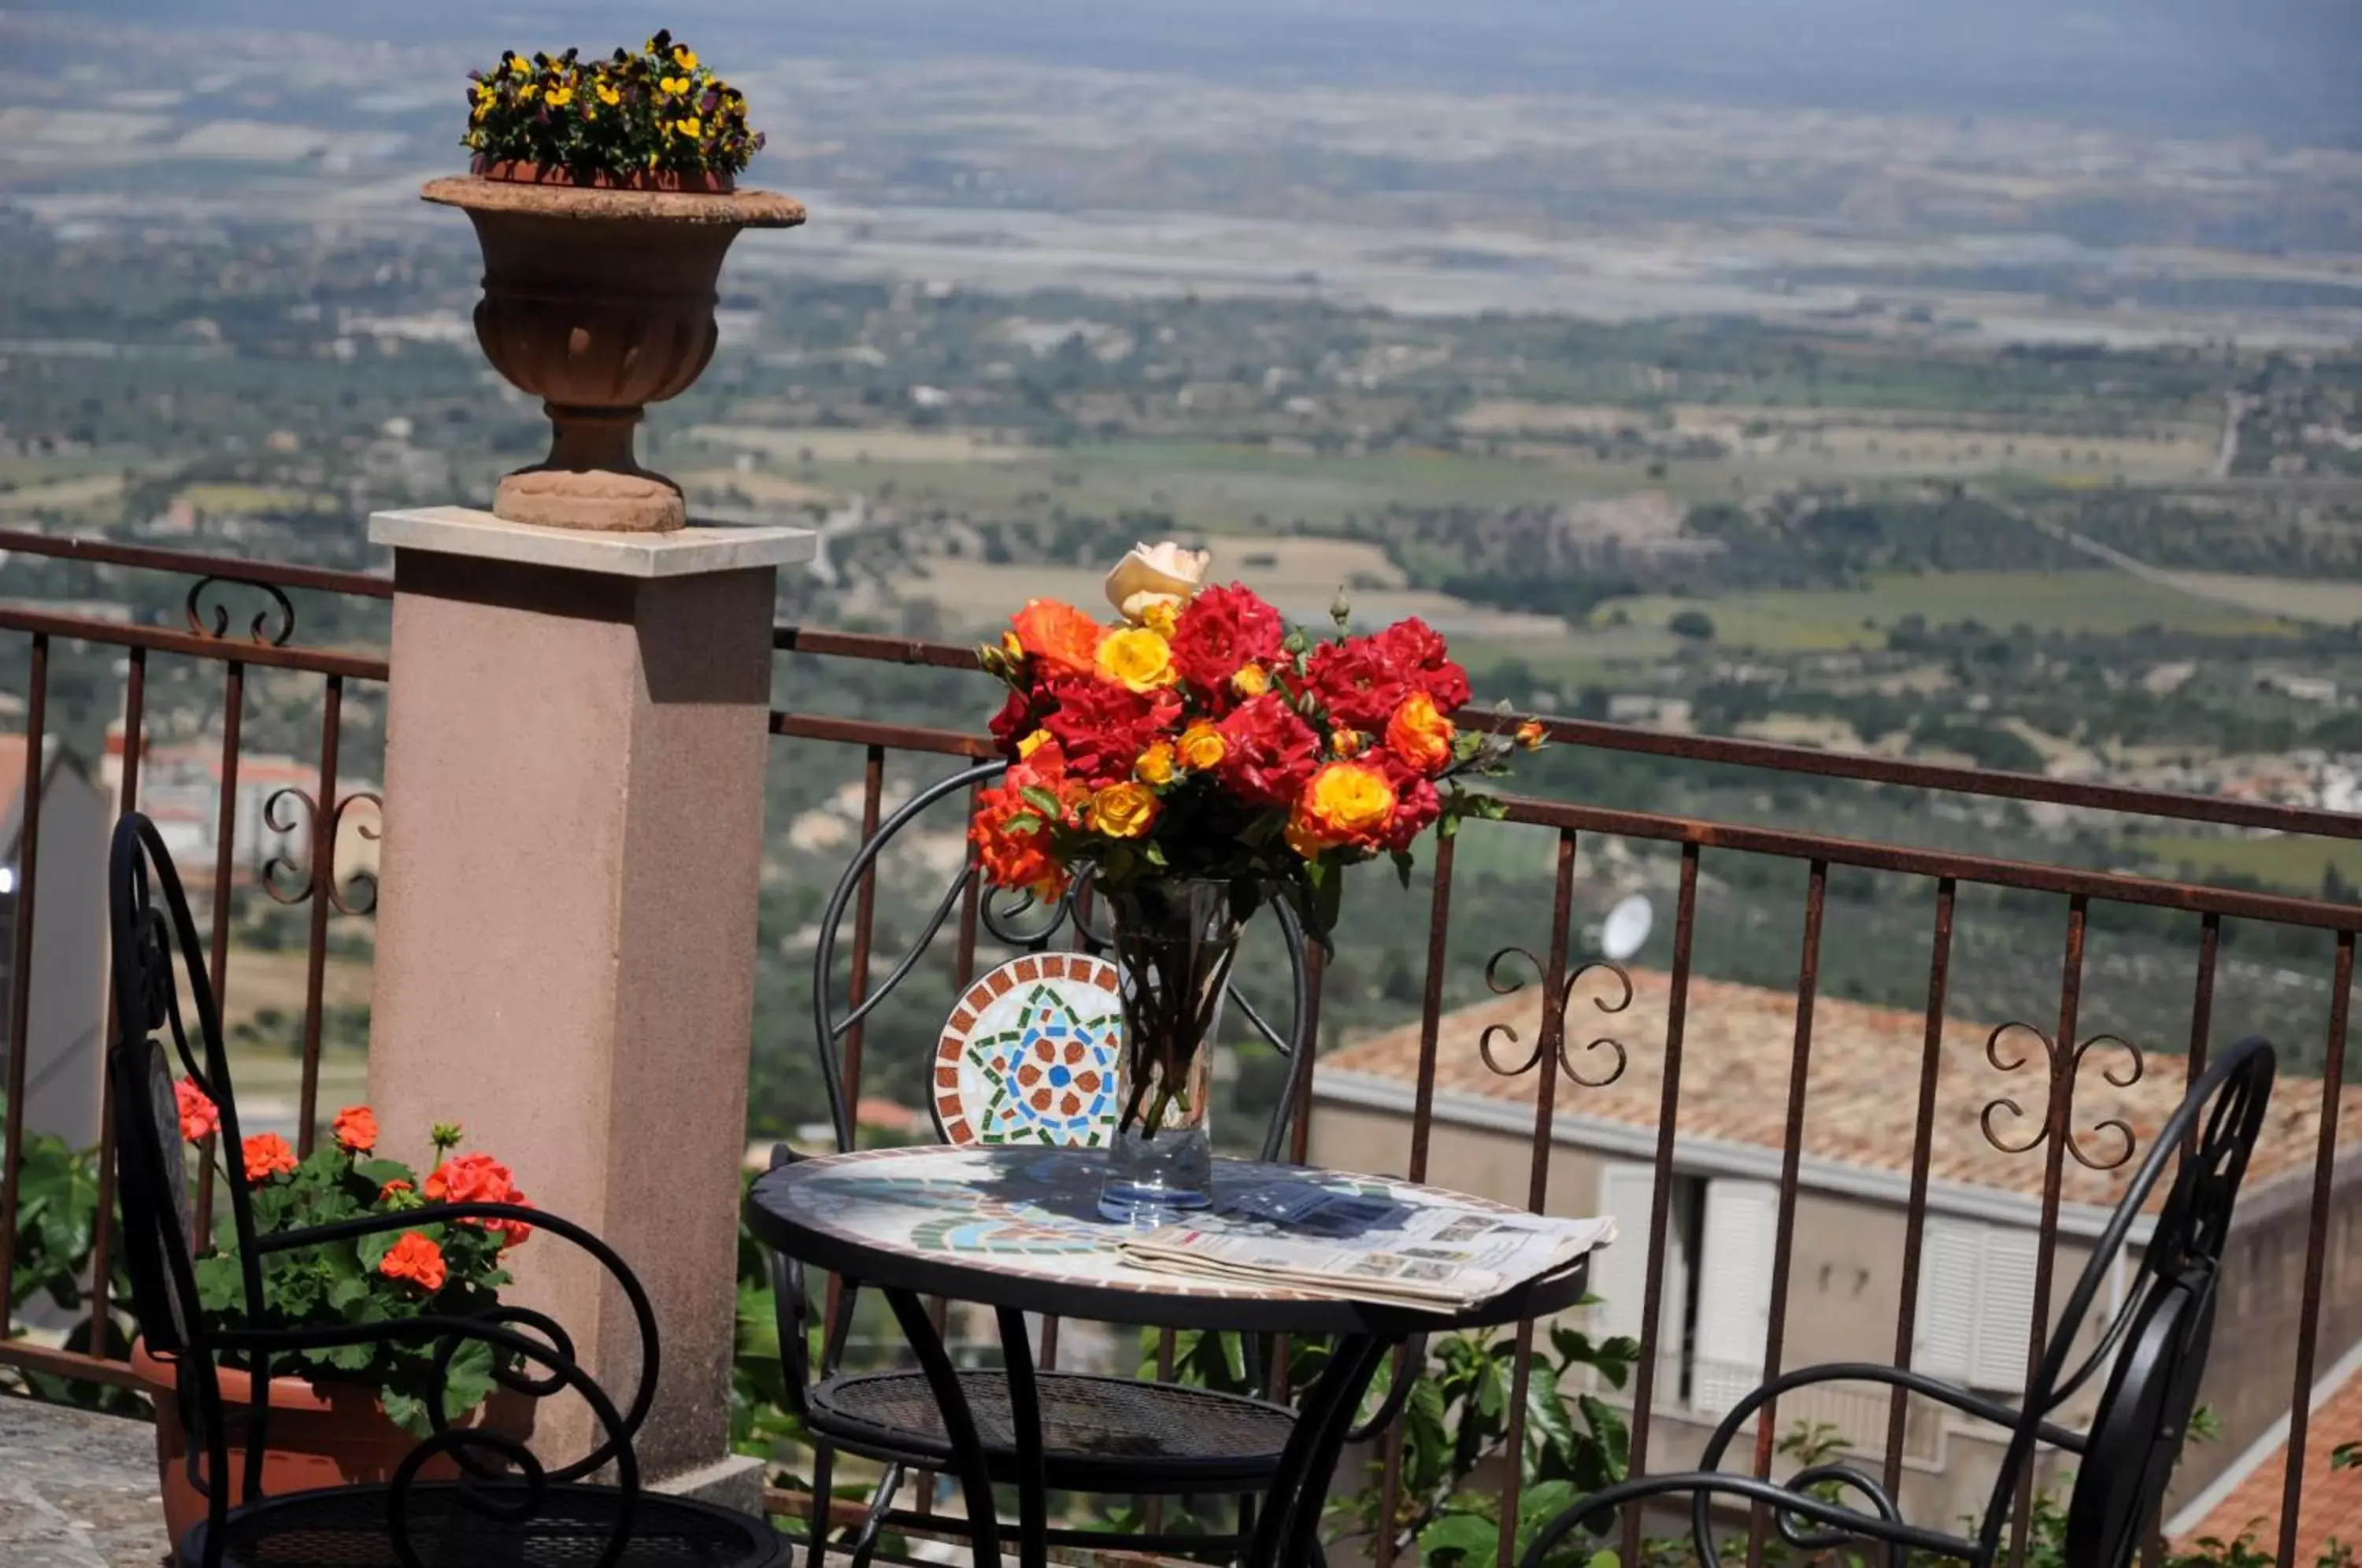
575	750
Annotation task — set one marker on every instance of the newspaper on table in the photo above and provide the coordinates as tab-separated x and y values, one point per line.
1363	1248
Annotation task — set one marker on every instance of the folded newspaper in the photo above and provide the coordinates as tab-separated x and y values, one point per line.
1362	1248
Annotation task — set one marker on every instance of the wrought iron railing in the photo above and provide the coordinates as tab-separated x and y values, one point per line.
2052	1049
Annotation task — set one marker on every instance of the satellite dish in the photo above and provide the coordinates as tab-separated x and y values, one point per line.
1626	927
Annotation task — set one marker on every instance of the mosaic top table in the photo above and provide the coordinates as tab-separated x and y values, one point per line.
1017	1228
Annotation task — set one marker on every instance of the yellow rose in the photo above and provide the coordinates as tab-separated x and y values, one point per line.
1031	744
1202	746
1252	680
1160	616
1123	811
1137	658
1156	765
1345	743
1344	803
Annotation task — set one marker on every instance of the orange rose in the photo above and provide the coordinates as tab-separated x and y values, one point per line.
1344	803
1421	734
1345	743
200	1118
416	1259
267	1154
1252	680
356	1130
1059	635
1530	734
1015	858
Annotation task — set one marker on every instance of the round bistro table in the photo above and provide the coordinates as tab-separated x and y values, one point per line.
1018	1230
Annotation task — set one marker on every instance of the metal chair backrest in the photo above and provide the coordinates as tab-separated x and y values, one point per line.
2154	1351
1024	923
149	916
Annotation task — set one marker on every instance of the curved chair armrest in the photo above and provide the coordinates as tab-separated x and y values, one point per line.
490	1328
1919	1383
1409	1364
542	1219
1842	1521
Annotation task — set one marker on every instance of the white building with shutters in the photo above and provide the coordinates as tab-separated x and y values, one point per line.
1842	1250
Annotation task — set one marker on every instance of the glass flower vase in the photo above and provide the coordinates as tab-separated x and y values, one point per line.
1175	941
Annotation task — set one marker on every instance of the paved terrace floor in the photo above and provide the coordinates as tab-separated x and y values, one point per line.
77	1490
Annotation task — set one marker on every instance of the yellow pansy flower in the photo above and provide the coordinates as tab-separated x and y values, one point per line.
609	95
674	86
687	127
684	57
560	96
528	92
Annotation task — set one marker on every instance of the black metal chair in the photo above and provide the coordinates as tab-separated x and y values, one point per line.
1105	1435
507	1507
2153	1353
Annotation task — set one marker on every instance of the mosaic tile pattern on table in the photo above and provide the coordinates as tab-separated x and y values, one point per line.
1029	1054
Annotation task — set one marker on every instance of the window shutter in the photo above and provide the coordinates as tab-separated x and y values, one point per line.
2006	1318
1619	1272
1734	1291
1951	1286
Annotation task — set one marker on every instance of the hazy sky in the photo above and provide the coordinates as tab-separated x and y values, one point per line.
2282	68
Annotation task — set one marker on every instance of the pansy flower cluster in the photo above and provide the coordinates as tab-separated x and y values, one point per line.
660	110
1201	736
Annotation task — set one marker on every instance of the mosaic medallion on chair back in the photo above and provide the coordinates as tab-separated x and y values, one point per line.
1029	1054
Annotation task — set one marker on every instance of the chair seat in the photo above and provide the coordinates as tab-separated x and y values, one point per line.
352	1527
1098	1433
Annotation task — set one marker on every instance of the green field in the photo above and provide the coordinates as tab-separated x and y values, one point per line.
1215	487
1803	620
2291	863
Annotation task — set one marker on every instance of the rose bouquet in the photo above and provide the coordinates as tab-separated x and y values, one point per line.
433	1268
1198	758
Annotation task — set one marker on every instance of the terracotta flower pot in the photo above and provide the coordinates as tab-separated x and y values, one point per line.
341	1439
600	301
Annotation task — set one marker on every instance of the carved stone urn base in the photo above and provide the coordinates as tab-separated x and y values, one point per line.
593	499
600	301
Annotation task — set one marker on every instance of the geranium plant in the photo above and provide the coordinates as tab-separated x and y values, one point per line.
433	1268
1200	736
660	110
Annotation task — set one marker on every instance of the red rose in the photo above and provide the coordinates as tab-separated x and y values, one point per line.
1416	805
1416	654
1268	751
1102	728
1356	682
1223	630
1015	721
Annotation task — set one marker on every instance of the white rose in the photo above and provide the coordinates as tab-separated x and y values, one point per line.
1162	573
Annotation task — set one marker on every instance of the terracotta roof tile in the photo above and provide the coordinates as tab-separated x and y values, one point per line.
2332	1509
1861	1087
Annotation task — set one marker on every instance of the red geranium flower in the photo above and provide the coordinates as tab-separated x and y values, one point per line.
1223	630
200	1118
1268	751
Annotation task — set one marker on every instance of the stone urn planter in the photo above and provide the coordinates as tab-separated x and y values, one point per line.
340	1438
598	299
